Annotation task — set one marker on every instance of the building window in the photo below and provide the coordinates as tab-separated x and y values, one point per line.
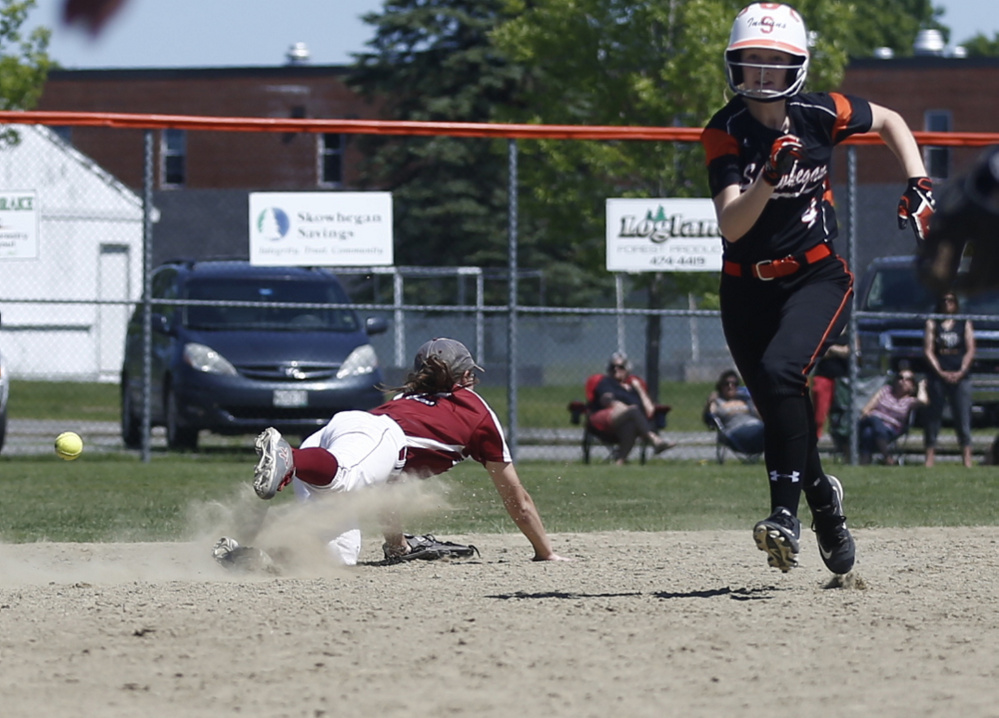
937	159
331	160
174	154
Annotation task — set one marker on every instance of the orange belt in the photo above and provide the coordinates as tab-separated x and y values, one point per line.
772	268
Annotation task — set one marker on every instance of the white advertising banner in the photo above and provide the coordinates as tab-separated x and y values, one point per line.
332	229
18	224
663	235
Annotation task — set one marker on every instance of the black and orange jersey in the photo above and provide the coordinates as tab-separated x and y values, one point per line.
800	214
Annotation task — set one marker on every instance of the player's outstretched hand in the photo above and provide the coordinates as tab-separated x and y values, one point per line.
917	204
784	152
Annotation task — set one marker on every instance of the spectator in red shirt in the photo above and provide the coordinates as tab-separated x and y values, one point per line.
436	421
622	409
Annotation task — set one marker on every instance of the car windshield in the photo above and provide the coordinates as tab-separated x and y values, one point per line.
272	318
898	289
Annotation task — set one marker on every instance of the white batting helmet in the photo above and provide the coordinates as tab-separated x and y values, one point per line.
768	26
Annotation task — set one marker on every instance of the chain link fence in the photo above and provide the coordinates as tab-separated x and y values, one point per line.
69	284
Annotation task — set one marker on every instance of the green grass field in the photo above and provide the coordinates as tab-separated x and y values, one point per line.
117	497
543	406
100	498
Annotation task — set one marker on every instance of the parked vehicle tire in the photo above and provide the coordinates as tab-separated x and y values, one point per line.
131	425
179	436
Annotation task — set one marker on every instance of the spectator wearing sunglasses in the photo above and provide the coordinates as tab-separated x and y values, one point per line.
736	415
622	408
949	348
885	417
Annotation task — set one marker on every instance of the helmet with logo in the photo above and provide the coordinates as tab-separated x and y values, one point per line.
767	26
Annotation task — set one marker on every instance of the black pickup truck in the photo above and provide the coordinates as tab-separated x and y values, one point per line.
894	335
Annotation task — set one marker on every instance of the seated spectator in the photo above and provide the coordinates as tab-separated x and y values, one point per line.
622	409
885	417
735	414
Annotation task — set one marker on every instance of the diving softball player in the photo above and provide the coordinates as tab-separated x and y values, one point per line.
436	421
785	294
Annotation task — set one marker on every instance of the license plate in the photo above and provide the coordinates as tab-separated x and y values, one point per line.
291	397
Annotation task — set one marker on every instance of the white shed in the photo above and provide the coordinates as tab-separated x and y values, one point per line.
66	301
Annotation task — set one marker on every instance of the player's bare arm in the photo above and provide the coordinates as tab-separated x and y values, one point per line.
521	508
890	126
738	211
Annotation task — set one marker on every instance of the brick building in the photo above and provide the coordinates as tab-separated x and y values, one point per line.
932	93
202	178
217	160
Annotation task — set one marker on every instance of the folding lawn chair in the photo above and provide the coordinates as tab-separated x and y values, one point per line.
723	445
579	413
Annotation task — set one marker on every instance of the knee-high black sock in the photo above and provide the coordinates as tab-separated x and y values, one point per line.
818	490
788	432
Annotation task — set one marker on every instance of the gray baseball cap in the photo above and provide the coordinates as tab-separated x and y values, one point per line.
451	352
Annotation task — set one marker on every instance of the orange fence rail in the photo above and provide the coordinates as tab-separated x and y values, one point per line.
453	129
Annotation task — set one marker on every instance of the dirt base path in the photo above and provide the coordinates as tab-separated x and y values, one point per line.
640	624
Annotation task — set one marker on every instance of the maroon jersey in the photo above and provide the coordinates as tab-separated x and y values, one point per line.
444	429
800	214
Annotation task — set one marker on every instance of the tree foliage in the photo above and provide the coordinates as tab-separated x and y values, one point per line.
981	46
634	62
576	62
431	60
890	23
607	62
24	61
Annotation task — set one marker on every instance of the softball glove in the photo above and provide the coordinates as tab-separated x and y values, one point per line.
427	548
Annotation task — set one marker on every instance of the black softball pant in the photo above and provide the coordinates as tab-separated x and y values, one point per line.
776	331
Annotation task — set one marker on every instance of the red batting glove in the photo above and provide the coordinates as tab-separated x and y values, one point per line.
917	204
784	153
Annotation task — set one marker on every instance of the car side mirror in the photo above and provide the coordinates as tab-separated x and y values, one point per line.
375	325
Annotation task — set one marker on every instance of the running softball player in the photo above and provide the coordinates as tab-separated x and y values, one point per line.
785	294
434	423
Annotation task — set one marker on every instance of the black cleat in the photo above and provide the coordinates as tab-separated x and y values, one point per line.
778	535
835	542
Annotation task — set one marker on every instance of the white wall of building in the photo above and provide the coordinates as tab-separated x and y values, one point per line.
64	312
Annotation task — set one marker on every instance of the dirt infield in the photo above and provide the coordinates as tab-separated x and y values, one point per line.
640	624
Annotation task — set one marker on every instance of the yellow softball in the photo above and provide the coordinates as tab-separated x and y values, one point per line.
68	445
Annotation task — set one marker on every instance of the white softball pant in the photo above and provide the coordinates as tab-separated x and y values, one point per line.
370	451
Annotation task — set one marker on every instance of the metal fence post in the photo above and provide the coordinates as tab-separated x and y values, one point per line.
147	309
398	299
480	316
851	201
512	303
619	304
